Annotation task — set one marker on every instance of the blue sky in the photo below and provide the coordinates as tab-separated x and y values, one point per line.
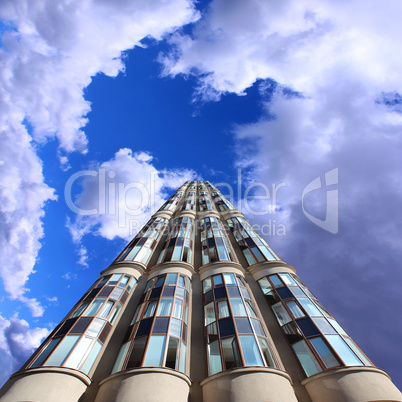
169	91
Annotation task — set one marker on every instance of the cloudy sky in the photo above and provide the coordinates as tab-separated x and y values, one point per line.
107	106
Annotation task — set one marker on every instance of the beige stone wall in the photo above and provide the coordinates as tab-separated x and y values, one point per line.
146	385
249	385
45	385
352	385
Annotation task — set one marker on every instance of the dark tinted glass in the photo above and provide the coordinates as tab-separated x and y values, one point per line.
160	326
307	326
284	293
144	327
226	327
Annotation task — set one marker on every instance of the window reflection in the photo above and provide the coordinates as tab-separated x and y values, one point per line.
232	325
158	332
318	341
254	247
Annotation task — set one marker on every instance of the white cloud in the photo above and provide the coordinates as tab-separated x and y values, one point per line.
23	195
17	343
341	58
48	57
131	190
292	42
59	46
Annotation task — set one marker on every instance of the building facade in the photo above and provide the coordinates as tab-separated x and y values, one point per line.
198	307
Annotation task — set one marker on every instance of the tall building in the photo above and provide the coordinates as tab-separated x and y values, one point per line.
199	307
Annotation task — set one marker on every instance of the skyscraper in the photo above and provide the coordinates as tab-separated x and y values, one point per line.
199	307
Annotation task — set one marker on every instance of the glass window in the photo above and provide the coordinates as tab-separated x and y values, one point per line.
266	351
288	279
223	309
265	286
95	328
245	293
155	350
183	357
171	279
106	309
337	326
46	352
177	253
226	327
209	313
124	281
80	309
160	325
79	352
243	325
91	357
118	365
238	307
269	255
326	355
251	353
137	353
357	350
114	279
63	349
343	350
297	291
115	313
307	326
175	327
178	306
324	325
149	285
181	281
137	313
172	355
309	306
229	279
294	309
214	358
281	314
150	311
257	327
131	284
233	291
250	259
306	358
103	281
230	353
250	308
94	307
165	306
159	282
180	292
218	280
185	312
276	281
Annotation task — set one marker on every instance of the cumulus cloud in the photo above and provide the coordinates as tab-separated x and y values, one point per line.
23	195
336	104
17	343
294	43
49	51
119	196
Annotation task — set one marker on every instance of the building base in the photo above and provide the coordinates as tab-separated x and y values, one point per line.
43	384
251	384
151	384
352	384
